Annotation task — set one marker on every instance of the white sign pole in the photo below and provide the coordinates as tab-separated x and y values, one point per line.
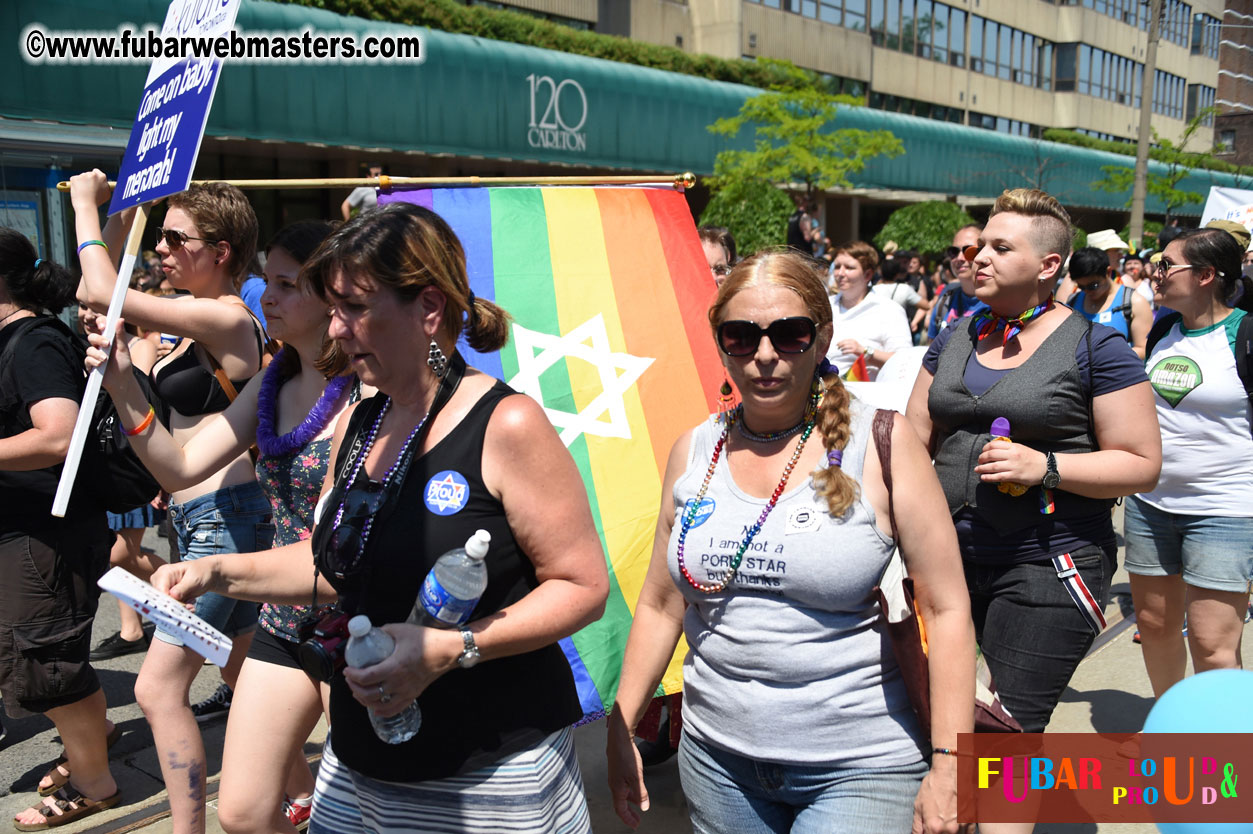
83	424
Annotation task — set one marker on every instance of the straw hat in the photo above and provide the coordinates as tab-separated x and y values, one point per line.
1107	239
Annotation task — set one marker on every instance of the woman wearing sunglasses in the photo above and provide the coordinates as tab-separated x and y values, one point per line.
865	324
209	238
1102	299
1033	515
773	532
290	412
1190	540
442	451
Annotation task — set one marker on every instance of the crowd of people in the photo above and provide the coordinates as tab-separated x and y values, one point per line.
294	446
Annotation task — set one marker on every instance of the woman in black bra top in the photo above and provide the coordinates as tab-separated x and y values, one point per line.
442	451
208	241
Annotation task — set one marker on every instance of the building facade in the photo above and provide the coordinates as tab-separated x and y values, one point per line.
1015	66
1233	129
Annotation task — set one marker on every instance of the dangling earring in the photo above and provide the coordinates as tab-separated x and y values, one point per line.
726	400
437	361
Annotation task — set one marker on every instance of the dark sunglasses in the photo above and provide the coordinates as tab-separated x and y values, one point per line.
967	252
794	334
176	239
347	544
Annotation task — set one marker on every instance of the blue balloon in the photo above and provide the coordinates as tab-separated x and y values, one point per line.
1211	702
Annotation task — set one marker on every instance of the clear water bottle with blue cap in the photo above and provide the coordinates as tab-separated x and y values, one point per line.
452	589
367	646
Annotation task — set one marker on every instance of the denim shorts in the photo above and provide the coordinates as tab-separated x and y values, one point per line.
731	794
1213	552
1032	632
234	519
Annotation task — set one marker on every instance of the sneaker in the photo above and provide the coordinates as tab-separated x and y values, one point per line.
1135	638
298	811
215	706
115	646
1248	614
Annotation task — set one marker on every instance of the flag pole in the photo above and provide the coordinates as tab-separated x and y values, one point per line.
386	182
88	406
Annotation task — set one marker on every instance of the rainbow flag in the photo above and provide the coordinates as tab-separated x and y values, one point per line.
858	372
609	289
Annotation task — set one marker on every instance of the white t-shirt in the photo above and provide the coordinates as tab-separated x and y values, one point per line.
876	322
902	294
1207	449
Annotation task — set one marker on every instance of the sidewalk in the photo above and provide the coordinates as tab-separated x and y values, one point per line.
1110	692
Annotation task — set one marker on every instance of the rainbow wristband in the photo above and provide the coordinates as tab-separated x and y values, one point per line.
943	751
87	243
145	423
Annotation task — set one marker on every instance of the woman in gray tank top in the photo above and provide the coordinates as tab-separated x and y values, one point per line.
772	534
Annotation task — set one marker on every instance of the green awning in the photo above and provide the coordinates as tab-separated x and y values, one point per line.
474	97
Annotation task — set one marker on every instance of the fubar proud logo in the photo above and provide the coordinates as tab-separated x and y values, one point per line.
558	113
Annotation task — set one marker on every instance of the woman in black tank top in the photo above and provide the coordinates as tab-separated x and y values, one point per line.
455	451
207	243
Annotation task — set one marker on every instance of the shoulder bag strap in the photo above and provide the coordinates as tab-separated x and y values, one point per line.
882	430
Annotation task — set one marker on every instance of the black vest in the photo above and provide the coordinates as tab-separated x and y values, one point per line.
467	712
1047	404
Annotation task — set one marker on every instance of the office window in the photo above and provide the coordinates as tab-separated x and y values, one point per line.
1206	32
924	23
1044	64
1226	142
855	15
877	22
957	38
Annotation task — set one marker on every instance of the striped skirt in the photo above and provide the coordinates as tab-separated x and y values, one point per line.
535	790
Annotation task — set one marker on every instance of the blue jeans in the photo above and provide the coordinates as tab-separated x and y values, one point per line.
1031	631
234	519
730	794
1212	552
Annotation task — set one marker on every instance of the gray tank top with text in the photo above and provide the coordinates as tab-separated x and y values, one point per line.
791	663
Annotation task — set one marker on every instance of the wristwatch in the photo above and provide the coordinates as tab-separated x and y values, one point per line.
470	654
1051	476
867	350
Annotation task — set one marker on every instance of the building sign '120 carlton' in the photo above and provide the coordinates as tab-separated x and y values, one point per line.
558	113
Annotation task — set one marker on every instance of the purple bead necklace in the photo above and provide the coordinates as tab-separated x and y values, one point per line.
387	477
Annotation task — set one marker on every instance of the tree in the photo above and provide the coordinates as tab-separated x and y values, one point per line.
755	213
1179	163
925	227
794	142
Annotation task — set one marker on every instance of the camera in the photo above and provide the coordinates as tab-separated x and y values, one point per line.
322	643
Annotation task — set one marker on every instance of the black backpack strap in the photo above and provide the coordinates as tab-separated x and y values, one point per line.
1244	355
1158	332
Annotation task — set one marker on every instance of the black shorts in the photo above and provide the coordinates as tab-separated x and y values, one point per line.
270	649
48	598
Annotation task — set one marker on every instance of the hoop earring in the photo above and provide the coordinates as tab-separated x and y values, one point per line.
437	361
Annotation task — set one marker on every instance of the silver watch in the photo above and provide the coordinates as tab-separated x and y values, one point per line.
470	654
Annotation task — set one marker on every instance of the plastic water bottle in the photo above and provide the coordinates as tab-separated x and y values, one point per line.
453	587
367	646
1000	431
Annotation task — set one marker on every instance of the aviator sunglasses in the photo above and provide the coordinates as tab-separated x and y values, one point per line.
794	334
176	239
347	543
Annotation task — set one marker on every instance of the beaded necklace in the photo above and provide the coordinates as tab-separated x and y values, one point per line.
690	515
766	437
387	477
313	424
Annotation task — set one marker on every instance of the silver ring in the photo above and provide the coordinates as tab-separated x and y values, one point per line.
383	696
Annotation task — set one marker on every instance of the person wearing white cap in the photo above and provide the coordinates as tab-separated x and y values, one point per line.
1114	247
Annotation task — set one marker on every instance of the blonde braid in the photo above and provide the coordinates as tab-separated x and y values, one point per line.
831	482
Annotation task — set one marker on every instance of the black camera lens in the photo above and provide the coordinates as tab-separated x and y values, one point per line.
316	660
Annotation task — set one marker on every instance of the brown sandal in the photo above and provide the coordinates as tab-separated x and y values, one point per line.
66	808
60	779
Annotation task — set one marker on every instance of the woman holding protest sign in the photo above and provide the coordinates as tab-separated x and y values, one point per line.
206	244
48	566
290	411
